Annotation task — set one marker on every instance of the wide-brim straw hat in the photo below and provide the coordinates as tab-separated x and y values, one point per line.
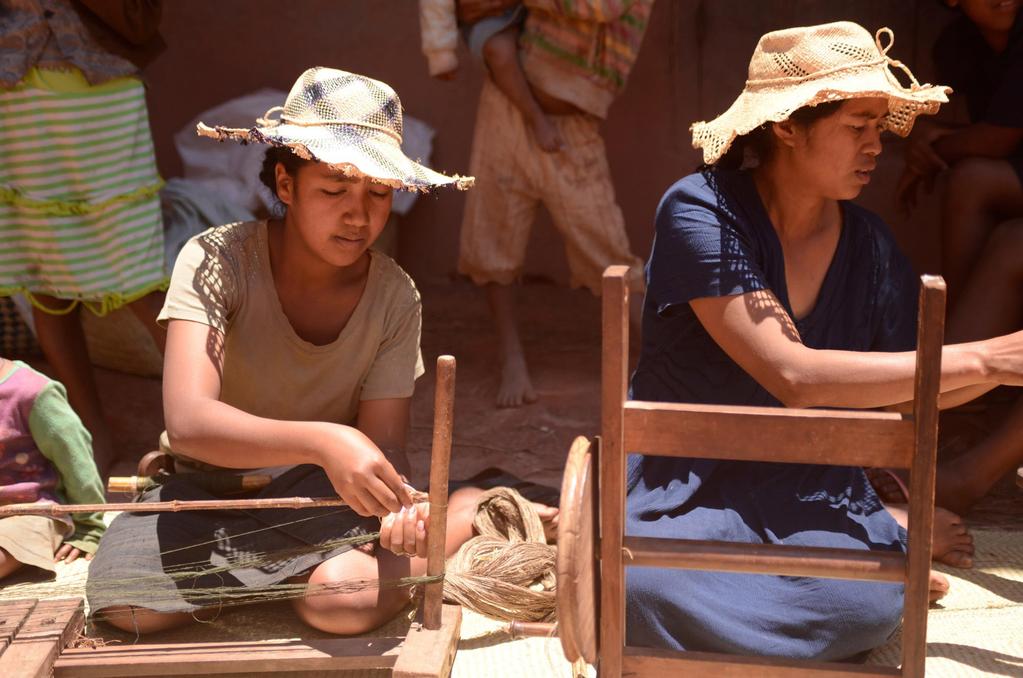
348	121
808	65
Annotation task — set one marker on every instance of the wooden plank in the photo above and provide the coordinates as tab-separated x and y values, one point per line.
793	561
13	614
48	629
641	661
930	335
845	437
611	461
195	659
440	463
429	653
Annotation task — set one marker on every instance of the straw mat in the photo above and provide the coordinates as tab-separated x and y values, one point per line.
977	629
484	651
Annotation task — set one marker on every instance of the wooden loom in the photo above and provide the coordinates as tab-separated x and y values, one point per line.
34	635
593	550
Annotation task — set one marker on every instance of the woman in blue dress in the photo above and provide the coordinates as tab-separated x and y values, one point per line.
766	287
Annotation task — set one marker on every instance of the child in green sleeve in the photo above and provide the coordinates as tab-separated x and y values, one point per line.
45	456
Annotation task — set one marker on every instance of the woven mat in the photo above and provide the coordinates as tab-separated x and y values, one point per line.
484	651
977	629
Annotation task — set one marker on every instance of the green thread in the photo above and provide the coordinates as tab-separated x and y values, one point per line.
108	303
13	196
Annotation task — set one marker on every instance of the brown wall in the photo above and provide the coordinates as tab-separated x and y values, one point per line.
692	65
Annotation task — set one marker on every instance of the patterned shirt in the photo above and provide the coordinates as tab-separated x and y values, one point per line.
50	34
581	51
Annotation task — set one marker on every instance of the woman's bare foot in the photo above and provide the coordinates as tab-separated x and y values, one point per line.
953	543
939	586
546	133
516	389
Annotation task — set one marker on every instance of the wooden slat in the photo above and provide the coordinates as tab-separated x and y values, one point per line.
49	627
837	437
430	653
793	561
224	658
641	661
611	461
930	335
13	614
440	464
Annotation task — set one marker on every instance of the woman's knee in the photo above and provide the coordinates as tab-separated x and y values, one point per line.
1004	250
349	614
8	564
142	621
359	611
983	182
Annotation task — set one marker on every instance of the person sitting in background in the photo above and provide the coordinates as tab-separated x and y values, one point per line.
980	54
45	456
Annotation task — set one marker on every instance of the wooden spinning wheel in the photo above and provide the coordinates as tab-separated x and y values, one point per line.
578	590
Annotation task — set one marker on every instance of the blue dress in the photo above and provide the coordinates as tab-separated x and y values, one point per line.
714	238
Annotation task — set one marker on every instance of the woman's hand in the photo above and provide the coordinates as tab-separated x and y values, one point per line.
404	533
360	473
921	157
69	554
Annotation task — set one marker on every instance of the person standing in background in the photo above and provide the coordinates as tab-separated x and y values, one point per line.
80	221
576	56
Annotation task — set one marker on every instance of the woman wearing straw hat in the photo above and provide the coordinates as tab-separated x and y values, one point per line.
766	287
290	344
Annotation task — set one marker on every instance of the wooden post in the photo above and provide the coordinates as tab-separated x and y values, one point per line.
440	464
614	363
930	335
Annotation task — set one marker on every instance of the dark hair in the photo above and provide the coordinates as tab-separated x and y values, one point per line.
268	172
760	141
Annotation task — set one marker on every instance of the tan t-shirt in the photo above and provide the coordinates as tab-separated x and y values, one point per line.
223	279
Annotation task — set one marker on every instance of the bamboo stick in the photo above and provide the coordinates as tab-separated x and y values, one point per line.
179	505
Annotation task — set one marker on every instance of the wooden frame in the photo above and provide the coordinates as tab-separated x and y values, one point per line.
809	436
33	640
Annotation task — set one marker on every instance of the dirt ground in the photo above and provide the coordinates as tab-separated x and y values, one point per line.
561	333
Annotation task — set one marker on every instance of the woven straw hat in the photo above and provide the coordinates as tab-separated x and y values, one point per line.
808	65
348	121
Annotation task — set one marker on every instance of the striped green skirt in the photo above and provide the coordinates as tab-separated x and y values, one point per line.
79	205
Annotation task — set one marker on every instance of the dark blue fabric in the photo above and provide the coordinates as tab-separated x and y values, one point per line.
713	239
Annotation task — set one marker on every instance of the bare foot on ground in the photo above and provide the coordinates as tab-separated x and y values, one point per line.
953	543
546	133
516	389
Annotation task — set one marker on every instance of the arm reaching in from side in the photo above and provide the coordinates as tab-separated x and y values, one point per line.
758	334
